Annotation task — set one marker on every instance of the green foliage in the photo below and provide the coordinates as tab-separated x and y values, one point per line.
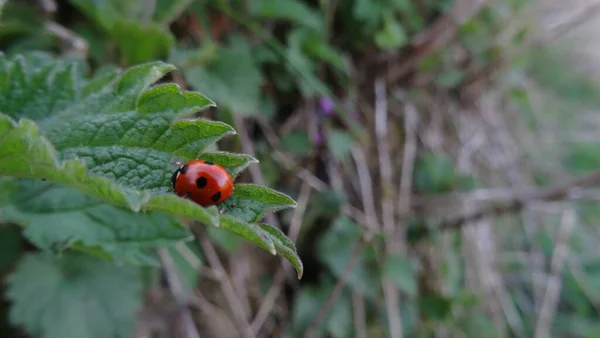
434	173
78	296
139	30
60	217
297	142
339	143
335	249
232	78
123	140
10	242
392	34
399	270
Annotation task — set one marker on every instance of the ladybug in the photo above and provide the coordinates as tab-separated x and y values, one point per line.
204	182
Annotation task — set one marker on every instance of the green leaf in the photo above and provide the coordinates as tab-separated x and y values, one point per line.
284	246
336	248
140	43
77	296
434	173
249	231
232	79
11	244
233	163
297	142
168	11
291	10
128	23
392	34
436	307
339	143
450	78
400	272
123	143
25	154
249	202
59	216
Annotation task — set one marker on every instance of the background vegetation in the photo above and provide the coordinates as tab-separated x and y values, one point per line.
441	156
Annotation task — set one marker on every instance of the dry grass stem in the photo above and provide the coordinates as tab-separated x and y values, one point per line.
187	321
233	301
553	286
359	315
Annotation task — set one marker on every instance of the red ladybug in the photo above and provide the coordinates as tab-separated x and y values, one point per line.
204	182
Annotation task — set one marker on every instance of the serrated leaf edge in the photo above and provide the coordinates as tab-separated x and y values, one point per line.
283	246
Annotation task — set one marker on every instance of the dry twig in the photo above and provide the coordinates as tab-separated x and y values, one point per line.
392	297
553	286
178	294
228	291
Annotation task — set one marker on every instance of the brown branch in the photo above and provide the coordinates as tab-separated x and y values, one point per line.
549	194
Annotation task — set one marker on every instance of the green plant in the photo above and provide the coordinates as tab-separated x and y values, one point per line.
86	163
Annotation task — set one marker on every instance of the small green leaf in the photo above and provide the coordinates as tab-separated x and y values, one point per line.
249	202
128	23
141	42
337	246
434	173
233	163
392	35
292	10
400	272
168	10
450	78
436	307
297	142
249	231
78	296
339	143
285	247
11	244
232	79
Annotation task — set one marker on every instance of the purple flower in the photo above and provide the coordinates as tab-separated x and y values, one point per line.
326	106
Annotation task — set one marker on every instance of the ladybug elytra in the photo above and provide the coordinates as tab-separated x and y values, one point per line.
203	182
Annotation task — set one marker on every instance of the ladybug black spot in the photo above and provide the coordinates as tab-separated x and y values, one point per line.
208	163
184	169
201	182
216	197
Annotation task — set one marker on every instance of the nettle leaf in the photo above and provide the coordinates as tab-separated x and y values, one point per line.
250	202
233	163
284	246
250	231
26	154
60	217
117	139
78	296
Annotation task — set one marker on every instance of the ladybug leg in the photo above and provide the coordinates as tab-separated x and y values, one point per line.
186	196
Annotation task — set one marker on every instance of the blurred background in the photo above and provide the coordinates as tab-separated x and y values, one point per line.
443	155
